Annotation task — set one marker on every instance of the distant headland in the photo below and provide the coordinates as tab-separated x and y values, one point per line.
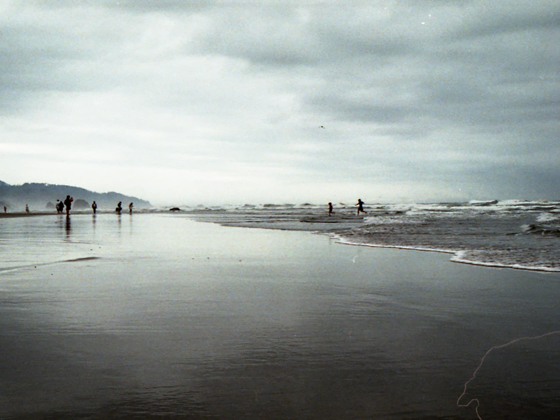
42	197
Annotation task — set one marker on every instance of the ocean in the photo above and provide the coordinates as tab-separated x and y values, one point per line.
512	233
157	315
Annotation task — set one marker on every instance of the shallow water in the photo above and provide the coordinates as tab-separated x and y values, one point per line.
512	233
160	316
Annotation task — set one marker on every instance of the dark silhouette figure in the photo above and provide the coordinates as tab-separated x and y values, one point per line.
94	207
5	209
130	208
26	208
360	205
59	207
68	204
118	209
330	209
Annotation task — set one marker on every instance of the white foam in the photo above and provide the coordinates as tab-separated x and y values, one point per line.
460	258
548	217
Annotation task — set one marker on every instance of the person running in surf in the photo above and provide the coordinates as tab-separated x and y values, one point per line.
360	205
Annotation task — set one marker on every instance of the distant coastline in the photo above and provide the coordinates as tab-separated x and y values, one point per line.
41	198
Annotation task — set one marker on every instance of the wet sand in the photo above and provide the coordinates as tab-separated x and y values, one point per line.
24	214
74	212
159	316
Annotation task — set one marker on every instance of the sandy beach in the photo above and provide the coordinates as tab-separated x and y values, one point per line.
12	215
157	315
24	214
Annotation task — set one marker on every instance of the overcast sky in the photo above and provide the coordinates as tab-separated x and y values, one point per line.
272	101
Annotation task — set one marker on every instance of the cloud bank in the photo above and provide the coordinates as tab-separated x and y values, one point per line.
284	101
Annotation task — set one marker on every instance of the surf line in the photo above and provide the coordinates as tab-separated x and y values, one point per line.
476	400
30	266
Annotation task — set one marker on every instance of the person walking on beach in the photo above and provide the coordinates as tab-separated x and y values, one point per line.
59	206
26	208
94	207
68	204
330	209
360	205
130	208
5	209
118	209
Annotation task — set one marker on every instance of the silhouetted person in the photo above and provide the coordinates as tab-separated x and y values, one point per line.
118	209
360	205
5	209
59	206
330	208
94	207
26	208
130	208
68	204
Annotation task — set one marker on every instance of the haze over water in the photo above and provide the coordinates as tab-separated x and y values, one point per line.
155	315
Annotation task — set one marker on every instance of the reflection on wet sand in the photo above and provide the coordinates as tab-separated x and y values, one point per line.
187	320
68	227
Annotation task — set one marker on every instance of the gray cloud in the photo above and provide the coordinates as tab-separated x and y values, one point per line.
415	93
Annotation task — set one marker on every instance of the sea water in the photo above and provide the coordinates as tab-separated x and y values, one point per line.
513	233
156	315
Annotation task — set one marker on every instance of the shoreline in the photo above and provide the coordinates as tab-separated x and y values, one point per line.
455	255
455	259
77	212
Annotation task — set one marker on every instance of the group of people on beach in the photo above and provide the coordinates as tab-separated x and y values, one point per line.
360	205
118	209
60	205
66	203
